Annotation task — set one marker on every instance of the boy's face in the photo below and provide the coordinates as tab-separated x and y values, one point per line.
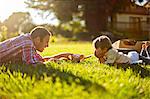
40	45
99	53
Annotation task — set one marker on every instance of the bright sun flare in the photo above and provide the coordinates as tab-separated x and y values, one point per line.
7	7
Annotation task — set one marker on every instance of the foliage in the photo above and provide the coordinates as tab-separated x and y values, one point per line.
93	12
72	28
85	36
18	21
87	79
69	29
56	6
4	34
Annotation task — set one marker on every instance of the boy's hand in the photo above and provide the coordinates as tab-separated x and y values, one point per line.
102	60
98	55
101	57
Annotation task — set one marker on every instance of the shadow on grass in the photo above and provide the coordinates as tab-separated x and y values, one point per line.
39	71
136	68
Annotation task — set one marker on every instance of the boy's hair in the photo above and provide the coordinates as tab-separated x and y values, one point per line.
102	42
40	31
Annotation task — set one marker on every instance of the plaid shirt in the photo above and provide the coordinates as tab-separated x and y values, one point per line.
19	50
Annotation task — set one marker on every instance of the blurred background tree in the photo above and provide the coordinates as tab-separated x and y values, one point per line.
78	19
18	21
3	33
0	23
94	13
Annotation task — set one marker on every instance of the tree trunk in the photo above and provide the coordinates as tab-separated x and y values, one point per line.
95	15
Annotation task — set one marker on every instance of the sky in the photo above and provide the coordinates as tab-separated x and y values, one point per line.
7	7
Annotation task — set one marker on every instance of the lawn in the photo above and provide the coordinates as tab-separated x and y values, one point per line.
86	80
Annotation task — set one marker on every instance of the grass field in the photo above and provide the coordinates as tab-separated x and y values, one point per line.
63	80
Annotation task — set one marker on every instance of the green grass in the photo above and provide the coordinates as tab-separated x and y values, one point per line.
62	80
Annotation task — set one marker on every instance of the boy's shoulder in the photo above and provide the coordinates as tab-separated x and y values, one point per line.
112	51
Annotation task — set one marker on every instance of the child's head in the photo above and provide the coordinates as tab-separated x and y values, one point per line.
101	45
102	42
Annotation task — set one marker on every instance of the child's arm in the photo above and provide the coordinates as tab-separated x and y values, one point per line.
100	57
102	60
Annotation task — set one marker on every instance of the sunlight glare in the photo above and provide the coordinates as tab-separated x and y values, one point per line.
7	7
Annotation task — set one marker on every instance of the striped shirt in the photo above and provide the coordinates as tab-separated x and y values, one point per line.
19	49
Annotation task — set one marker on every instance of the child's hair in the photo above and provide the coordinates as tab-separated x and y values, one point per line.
102	42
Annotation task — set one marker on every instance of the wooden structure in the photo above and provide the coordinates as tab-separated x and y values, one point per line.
134	20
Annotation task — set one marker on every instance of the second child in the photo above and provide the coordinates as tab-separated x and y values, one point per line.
109	55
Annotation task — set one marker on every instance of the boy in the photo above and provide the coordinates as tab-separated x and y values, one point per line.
108	55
